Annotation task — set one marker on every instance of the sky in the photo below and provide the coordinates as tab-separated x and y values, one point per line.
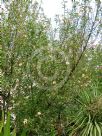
53	7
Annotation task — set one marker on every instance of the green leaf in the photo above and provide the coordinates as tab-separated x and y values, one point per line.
53	133
23	133
91	130
1	134
1	126
95	131
87	127
98	128
14	132
7	126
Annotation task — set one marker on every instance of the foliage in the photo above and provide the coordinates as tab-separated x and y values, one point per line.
5	127
88	119
45	75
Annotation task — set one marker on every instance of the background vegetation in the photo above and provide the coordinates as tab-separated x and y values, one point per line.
52	81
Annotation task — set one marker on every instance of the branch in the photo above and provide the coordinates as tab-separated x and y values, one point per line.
79	59
84	49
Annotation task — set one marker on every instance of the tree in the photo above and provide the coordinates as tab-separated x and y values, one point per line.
45	76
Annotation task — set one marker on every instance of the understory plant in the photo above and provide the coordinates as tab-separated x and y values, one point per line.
5	127
88	121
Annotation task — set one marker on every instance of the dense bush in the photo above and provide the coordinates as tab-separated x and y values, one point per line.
52	83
